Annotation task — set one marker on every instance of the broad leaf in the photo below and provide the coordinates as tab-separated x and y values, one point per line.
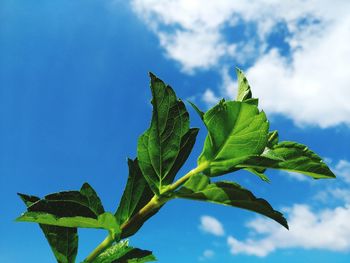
123	253
71	209
136	195
296	158
236	130
187	143
160	147
272	140
199	187
245	95
63	240
104	221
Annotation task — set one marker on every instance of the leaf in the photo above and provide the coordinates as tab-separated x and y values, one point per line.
296	158
259	173
199	187
244	91
136	195
187	143
104	221
71	209
123	253
236	130
199	112
93	200
62	240
273	139
159	148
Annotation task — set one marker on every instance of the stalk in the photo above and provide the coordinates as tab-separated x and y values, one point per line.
153	204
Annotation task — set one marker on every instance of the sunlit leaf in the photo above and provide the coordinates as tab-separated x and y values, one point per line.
199	187
296	158
71	209
160	147
236	130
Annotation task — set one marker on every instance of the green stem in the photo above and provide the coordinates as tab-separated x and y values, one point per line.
200	168
153	204
100	248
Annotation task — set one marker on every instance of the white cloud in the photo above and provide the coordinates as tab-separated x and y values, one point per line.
211	225
328	229
342	170
209	97
207	254
297	176
310	85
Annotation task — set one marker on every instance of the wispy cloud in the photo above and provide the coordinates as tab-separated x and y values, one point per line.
207	254
308	83
327	229
211	225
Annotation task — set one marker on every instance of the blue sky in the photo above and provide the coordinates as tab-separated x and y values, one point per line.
74	97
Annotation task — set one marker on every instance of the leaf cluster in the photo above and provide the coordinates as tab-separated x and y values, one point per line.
238	138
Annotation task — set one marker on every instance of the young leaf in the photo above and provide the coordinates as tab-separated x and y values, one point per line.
71	209
244	91
199	187
236	130
123	253
159	148
63	240
296	158
199	112
273	139
136	195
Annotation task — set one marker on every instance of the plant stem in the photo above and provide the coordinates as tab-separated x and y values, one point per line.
182	180
153	204
100	248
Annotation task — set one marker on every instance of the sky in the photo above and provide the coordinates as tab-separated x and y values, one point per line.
74	97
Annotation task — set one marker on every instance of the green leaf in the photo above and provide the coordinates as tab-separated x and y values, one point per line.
187	143
93	200
244	91
136	195
296	158
104	221
236	130
62	240
259	173
273	139
123	253
159	148
71	209
199	187
199	112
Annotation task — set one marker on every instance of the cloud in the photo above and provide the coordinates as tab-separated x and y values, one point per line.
207	254
306	80
209	97
327	229
211	225
342	170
